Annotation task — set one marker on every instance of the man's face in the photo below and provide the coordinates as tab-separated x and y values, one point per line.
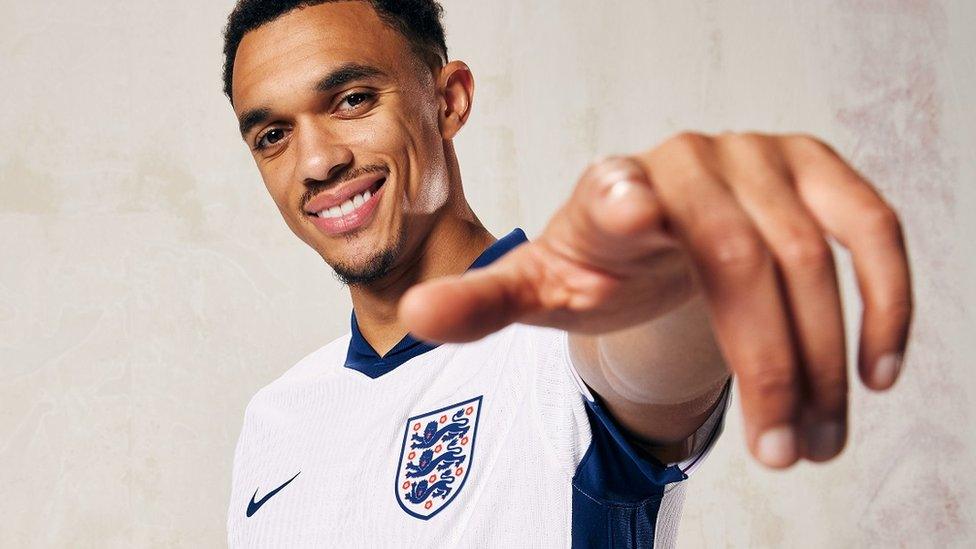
342	120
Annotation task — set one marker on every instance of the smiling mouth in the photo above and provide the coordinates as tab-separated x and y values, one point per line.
352	204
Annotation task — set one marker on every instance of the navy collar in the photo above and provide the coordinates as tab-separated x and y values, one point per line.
363	358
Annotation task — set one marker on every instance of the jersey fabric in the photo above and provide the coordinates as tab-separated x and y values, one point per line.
493	443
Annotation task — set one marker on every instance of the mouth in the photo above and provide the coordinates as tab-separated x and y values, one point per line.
349	208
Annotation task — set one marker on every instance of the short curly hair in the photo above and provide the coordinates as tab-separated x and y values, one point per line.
419	21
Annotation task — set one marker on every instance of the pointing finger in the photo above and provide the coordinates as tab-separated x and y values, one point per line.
472	305
615	215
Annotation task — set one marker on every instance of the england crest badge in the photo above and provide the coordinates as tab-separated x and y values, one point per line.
435	457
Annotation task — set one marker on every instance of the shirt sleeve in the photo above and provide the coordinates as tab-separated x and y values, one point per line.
623	496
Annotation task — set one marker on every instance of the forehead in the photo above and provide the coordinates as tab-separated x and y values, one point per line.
296	49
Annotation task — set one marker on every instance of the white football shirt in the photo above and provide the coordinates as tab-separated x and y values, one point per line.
494	443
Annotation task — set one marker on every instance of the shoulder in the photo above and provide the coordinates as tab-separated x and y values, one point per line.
541	342
323	361
549	347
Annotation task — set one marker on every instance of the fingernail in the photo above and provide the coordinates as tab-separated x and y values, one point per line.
777	446
825	439
620	189
886	370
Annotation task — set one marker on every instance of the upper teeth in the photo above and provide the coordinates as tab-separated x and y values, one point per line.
347	206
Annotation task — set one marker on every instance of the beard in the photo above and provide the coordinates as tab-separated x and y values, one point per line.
373	269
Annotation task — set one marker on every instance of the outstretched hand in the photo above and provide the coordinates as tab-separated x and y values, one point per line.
741	217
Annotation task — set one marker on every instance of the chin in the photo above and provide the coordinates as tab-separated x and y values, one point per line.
363	259
361	271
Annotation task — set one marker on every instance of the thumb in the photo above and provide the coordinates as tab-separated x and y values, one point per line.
614	215
472	305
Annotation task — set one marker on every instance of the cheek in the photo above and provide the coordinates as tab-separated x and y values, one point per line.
278	191
429	176
412	144
283	196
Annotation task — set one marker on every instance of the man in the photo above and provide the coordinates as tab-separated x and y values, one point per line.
588	371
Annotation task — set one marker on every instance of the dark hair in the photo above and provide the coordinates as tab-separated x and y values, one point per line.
419	21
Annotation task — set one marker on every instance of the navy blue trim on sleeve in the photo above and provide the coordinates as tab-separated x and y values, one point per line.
617	491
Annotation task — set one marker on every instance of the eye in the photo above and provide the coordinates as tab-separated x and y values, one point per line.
270	138
355	99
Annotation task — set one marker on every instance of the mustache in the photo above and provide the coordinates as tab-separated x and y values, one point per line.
315	187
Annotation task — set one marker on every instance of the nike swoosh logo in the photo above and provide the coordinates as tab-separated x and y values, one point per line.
255	505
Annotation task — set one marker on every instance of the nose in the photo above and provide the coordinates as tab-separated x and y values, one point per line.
321	155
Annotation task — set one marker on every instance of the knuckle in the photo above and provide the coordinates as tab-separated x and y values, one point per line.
895	310
831	377
829	382
881	221
810	143
735	248
806	252
695	177
773	381
747	139
689	141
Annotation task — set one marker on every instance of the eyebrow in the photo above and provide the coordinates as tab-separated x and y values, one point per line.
345	74
339	77
254	117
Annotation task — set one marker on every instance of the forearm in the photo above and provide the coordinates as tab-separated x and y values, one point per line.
661	379
670	360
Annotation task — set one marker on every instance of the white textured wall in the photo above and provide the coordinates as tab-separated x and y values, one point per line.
148	286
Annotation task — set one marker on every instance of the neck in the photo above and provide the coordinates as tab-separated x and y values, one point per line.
455	240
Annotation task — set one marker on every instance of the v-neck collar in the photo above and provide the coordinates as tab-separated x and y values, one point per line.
363	358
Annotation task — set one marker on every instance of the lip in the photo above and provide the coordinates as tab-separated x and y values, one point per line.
353	220
328	199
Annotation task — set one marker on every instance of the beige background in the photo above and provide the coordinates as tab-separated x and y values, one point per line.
148	286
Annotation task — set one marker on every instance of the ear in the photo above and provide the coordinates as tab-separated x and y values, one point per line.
455	86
